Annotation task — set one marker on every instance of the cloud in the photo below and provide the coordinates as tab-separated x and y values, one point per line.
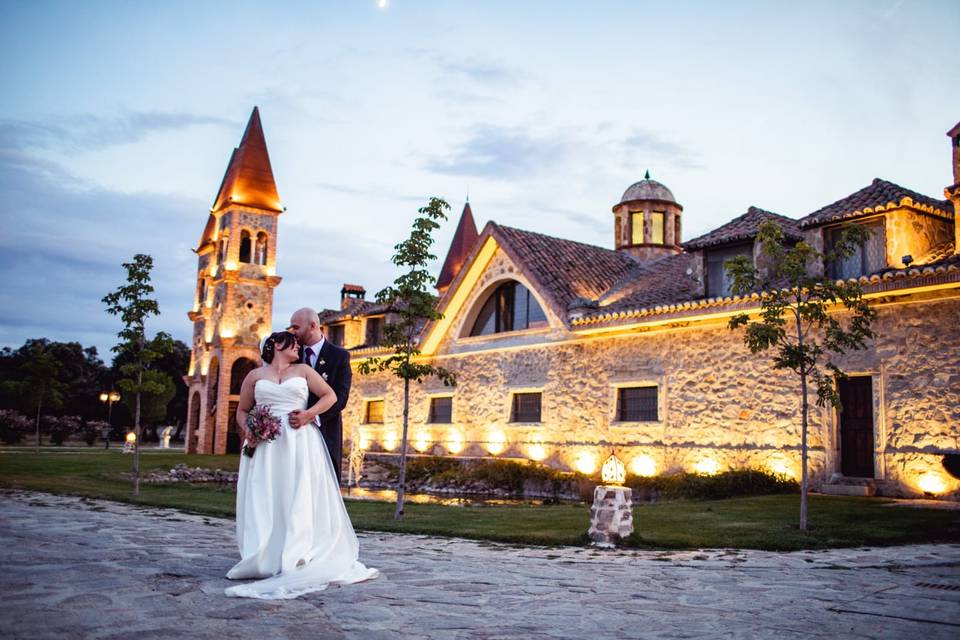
650	145
373	192
86	131
475	70
500	153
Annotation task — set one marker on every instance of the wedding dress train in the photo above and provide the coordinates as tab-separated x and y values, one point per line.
292	526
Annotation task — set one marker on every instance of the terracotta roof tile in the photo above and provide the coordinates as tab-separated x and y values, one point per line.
249	176
463	240
743	227
659	282
879	193
566	270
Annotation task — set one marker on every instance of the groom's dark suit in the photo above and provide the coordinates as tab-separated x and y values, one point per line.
333	364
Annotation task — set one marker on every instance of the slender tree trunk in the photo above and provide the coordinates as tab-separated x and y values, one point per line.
39	404
136	444
401	483
804	410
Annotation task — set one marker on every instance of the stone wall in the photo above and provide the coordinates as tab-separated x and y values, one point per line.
719	406
911	233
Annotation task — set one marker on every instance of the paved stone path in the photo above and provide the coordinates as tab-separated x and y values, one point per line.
77	568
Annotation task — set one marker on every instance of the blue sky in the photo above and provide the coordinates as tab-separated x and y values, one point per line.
118	119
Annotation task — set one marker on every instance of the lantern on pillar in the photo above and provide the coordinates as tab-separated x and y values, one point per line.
613	471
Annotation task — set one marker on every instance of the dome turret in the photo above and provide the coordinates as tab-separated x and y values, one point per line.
647	220
648	189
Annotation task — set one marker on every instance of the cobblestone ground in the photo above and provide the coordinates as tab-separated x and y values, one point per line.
77	568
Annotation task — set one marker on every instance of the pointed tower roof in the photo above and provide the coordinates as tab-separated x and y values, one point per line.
463	240
249	177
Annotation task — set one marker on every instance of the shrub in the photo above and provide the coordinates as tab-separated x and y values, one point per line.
729	484
14	426
93	430
60	428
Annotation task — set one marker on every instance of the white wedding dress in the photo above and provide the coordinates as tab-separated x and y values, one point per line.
292	527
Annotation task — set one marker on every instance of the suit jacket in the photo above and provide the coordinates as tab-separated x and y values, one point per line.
333	364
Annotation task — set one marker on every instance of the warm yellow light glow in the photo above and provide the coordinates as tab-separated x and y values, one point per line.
707	466
454	441
205	364
193	367
364	441
931	482
208	334
613	471
213	269
643	466
421	441
496	441
131	437
227	332
586	463
230	265
779	465
390	440
271	271
104	397
536	449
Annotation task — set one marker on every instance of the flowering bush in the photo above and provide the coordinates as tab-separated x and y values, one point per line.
13	426
60	428
93	430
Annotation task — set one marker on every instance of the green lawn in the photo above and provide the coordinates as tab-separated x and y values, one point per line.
765	522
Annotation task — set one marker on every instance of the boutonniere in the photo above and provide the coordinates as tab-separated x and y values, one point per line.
321	362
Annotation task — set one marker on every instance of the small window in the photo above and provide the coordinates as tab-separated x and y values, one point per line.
260	250
719	284
374	413
335	334
869	257
374	331
656	227
636	227
441	410
245	246
637	404
526	407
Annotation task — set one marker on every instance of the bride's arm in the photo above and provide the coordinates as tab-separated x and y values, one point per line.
244	406
326	398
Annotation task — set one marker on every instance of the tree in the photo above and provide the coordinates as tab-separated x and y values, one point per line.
133	304
413	306
165	371
36	383
798	317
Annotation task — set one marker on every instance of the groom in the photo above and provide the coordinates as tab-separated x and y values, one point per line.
331	362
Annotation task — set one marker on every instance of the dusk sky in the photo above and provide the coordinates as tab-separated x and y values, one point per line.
118	119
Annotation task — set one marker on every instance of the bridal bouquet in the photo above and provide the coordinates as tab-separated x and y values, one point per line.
263	427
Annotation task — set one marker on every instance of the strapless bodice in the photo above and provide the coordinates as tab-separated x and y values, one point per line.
281	397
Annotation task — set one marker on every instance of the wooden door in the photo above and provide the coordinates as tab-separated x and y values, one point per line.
856	426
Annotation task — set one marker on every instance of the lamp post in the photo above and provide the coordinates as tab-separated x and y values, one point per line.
108	397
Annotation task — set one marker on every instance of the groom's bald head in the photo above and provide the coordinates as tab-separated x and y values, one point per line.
305	324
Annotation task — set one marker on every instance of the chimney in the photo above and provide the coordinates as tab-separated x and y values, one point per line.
350	295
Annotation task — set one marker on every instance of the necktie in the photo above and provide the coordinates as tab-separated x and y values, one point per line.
308	355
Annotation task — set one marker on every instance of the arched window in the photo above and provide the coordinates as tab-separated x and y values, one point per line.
245	246
260	249
511	307
238	372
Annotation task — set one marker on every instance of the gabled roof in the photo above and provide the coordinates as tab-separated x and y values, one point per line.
249	177
744	227
463	240
667	280
565	271
877	196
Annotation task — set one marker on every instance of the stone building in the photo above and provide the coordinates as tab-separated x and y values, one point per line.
233	300
566	351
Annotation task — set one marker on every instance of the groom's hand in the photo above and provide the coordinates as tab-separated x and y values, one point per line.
299	417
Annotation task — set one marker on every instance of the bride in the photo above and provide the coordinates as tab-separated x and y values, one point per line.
292	527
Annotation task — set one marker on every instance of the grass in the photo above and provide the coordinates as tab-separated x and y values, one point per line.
761	522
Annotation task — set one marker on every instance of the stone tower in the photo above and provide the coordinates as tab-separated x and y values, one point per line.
233	301
647	221
953	191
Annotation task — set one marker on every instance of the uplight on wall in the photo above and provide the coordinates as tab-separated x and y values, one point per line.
708	466
390	440
364	441
454	442
226	332
421	441
230	265
586	463
536	449
932	483
780	466
496	441
644	466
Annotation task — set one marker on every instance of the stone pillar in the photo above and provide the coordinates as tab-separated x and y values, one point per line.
611	517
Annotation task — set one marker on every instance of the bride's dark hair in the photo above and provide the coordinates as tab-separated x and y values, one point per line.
279	339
